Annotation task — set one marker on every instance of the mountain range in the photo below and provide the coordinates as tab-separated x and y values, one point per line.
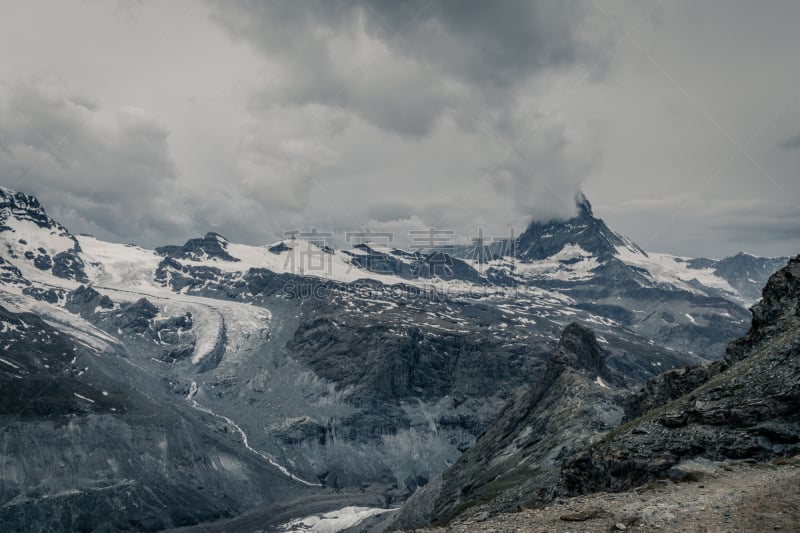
575	432
216	382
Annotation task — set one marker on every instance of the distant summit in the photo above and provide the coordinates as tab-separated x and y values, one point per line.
24	207
211	246
584	232
36	242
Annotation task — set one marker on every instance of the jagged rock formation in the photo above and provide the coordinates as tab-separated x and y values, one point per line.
211	246
577	398
668	299
22	206
86	301
745	273
54	249
745	406
425	265
778	304
750	410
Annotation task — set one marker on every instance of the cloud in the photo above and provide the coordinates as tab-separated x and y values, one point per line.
690	221
109	171
431	80
402	65
261	117
792	143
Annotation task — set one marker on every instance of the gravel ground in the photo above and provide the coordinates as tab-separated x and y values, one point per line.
730	498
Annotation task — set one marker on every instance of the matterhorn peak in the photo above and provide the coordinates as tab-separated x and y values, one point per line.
583	205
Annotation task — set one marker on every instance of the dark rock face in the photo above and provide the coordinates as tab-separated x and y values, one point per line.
279	248
668	386
65	264
173	274
398	362
39	371
51	296
24	207
578	349
748	412
85	301
746	273
136	316
574	401
427	265
211	246
9	274
778	305
746	407
42	262
69	265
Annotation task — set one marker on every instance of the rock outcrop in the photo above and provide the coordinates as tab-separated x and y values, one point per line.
577	399
773	313
744	407
85	300
211	246
749	410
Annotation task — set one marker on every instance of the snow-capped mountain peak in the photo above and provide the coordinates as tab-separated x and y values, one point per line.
35	243
211	246
545	239
23	206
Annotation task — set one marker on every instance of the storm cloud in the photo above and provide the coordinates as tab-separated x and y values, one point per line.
154	122
401	65
109	173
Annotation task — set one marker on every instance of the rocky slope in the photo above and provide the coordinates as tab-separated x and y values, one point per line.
730	496
750	410
577	398
90	444
744	407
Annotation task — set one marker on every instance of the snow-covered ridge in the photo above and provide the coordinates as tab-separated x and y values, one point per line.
571	263
31	241
675	271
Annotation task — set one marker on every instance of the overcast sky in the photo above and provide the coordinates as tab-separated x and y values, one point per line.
152	122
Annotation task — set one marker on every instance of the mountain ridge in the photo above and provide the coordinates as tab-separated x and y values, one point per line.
320	364
743	407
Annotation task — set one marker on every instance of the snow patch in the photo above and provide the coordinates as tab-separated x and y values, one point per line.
333	521
570	264
83	397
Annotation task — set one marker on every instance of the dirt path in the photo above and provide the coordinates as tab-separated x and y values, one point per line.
735	498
